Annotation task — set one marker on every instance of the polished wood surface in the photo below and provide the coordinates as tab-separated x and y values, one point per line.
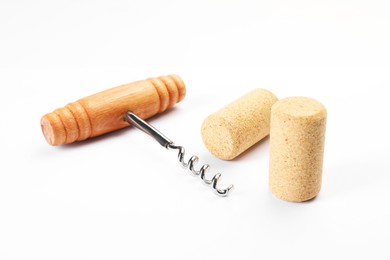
103	112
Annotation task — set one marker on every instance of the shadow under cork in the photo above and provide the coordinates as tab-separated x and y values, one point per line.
309	201
262	147
116	133
286	211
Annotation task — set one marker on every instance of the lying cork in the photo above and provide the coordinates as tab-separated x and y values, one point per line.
296	148
233	129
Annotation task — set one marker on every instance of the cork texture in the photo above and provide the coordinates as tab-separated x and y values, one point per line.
233	129
297	148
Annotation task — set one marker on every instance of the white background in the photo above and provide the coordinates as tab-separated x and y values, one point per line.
122	196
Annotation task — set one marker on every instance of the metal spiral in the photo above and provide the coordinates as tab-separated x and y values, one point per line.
202	171
134	120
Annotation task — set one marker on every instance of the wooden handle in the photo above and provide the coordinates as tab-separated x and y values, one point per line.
103	112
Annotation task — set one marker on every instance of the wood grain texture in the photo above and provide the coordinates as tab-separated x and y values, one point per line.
103	112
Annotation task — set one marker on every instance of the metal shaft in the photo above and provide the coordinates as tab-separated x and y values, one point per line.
134	120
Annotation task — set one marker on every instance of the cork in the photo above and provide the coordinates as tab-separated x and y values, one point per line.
233	129
296	148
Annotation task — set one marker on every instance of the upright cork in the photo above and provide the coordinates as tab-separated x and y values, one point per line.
103	112
233	129
297	148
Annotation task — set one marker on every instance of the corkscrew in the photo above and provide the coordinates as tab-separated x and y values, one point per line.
142	125
107	111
